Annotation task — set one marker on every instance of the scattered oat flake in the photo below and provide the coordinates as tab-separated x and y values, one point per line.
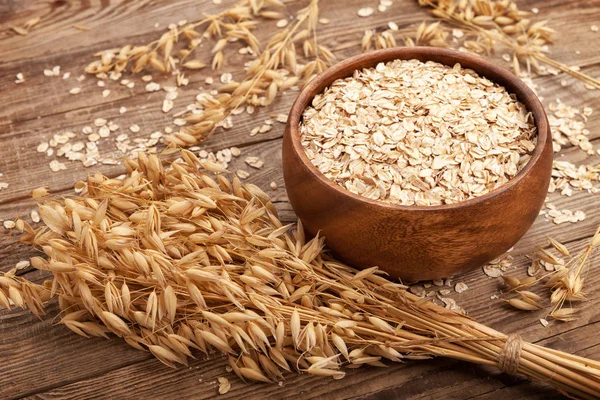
535	10
365	12
104	131
544	322
152	87
393	26
273	186
594	28
458	33
105	93
75	90
22	264
134	128
235	151
167	105
35	216
282	23
224	385
562	216
242	174
254	162
492	271
3	185
226	78
324	21
417	290
56	166
9	224
460	287
264	128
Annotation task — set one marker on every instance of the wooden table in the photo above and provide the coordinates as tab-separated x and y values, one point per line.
40	359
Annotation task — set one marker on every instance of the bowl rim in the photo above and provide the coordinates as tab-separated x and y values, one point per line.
406	53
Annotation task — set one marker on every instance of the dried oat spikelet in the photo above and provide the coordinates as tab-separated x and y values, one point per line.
565	281
178	43
502	22
274	70
378	40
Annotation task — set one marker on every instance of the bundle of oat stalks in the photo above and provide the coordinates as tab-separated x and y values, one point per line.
176	260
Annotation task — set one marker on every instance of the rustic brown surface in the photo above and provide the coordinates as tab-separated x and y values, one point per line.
44	360
411	242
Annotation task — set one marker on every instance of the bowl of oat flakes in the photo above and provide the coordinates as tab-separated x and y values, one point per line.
425	162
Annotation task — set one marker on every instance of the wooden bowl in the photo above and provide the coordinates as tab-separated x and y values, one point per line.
411	242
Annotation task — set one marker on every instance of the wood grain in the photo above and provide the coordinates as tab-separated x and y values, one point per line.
43	360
